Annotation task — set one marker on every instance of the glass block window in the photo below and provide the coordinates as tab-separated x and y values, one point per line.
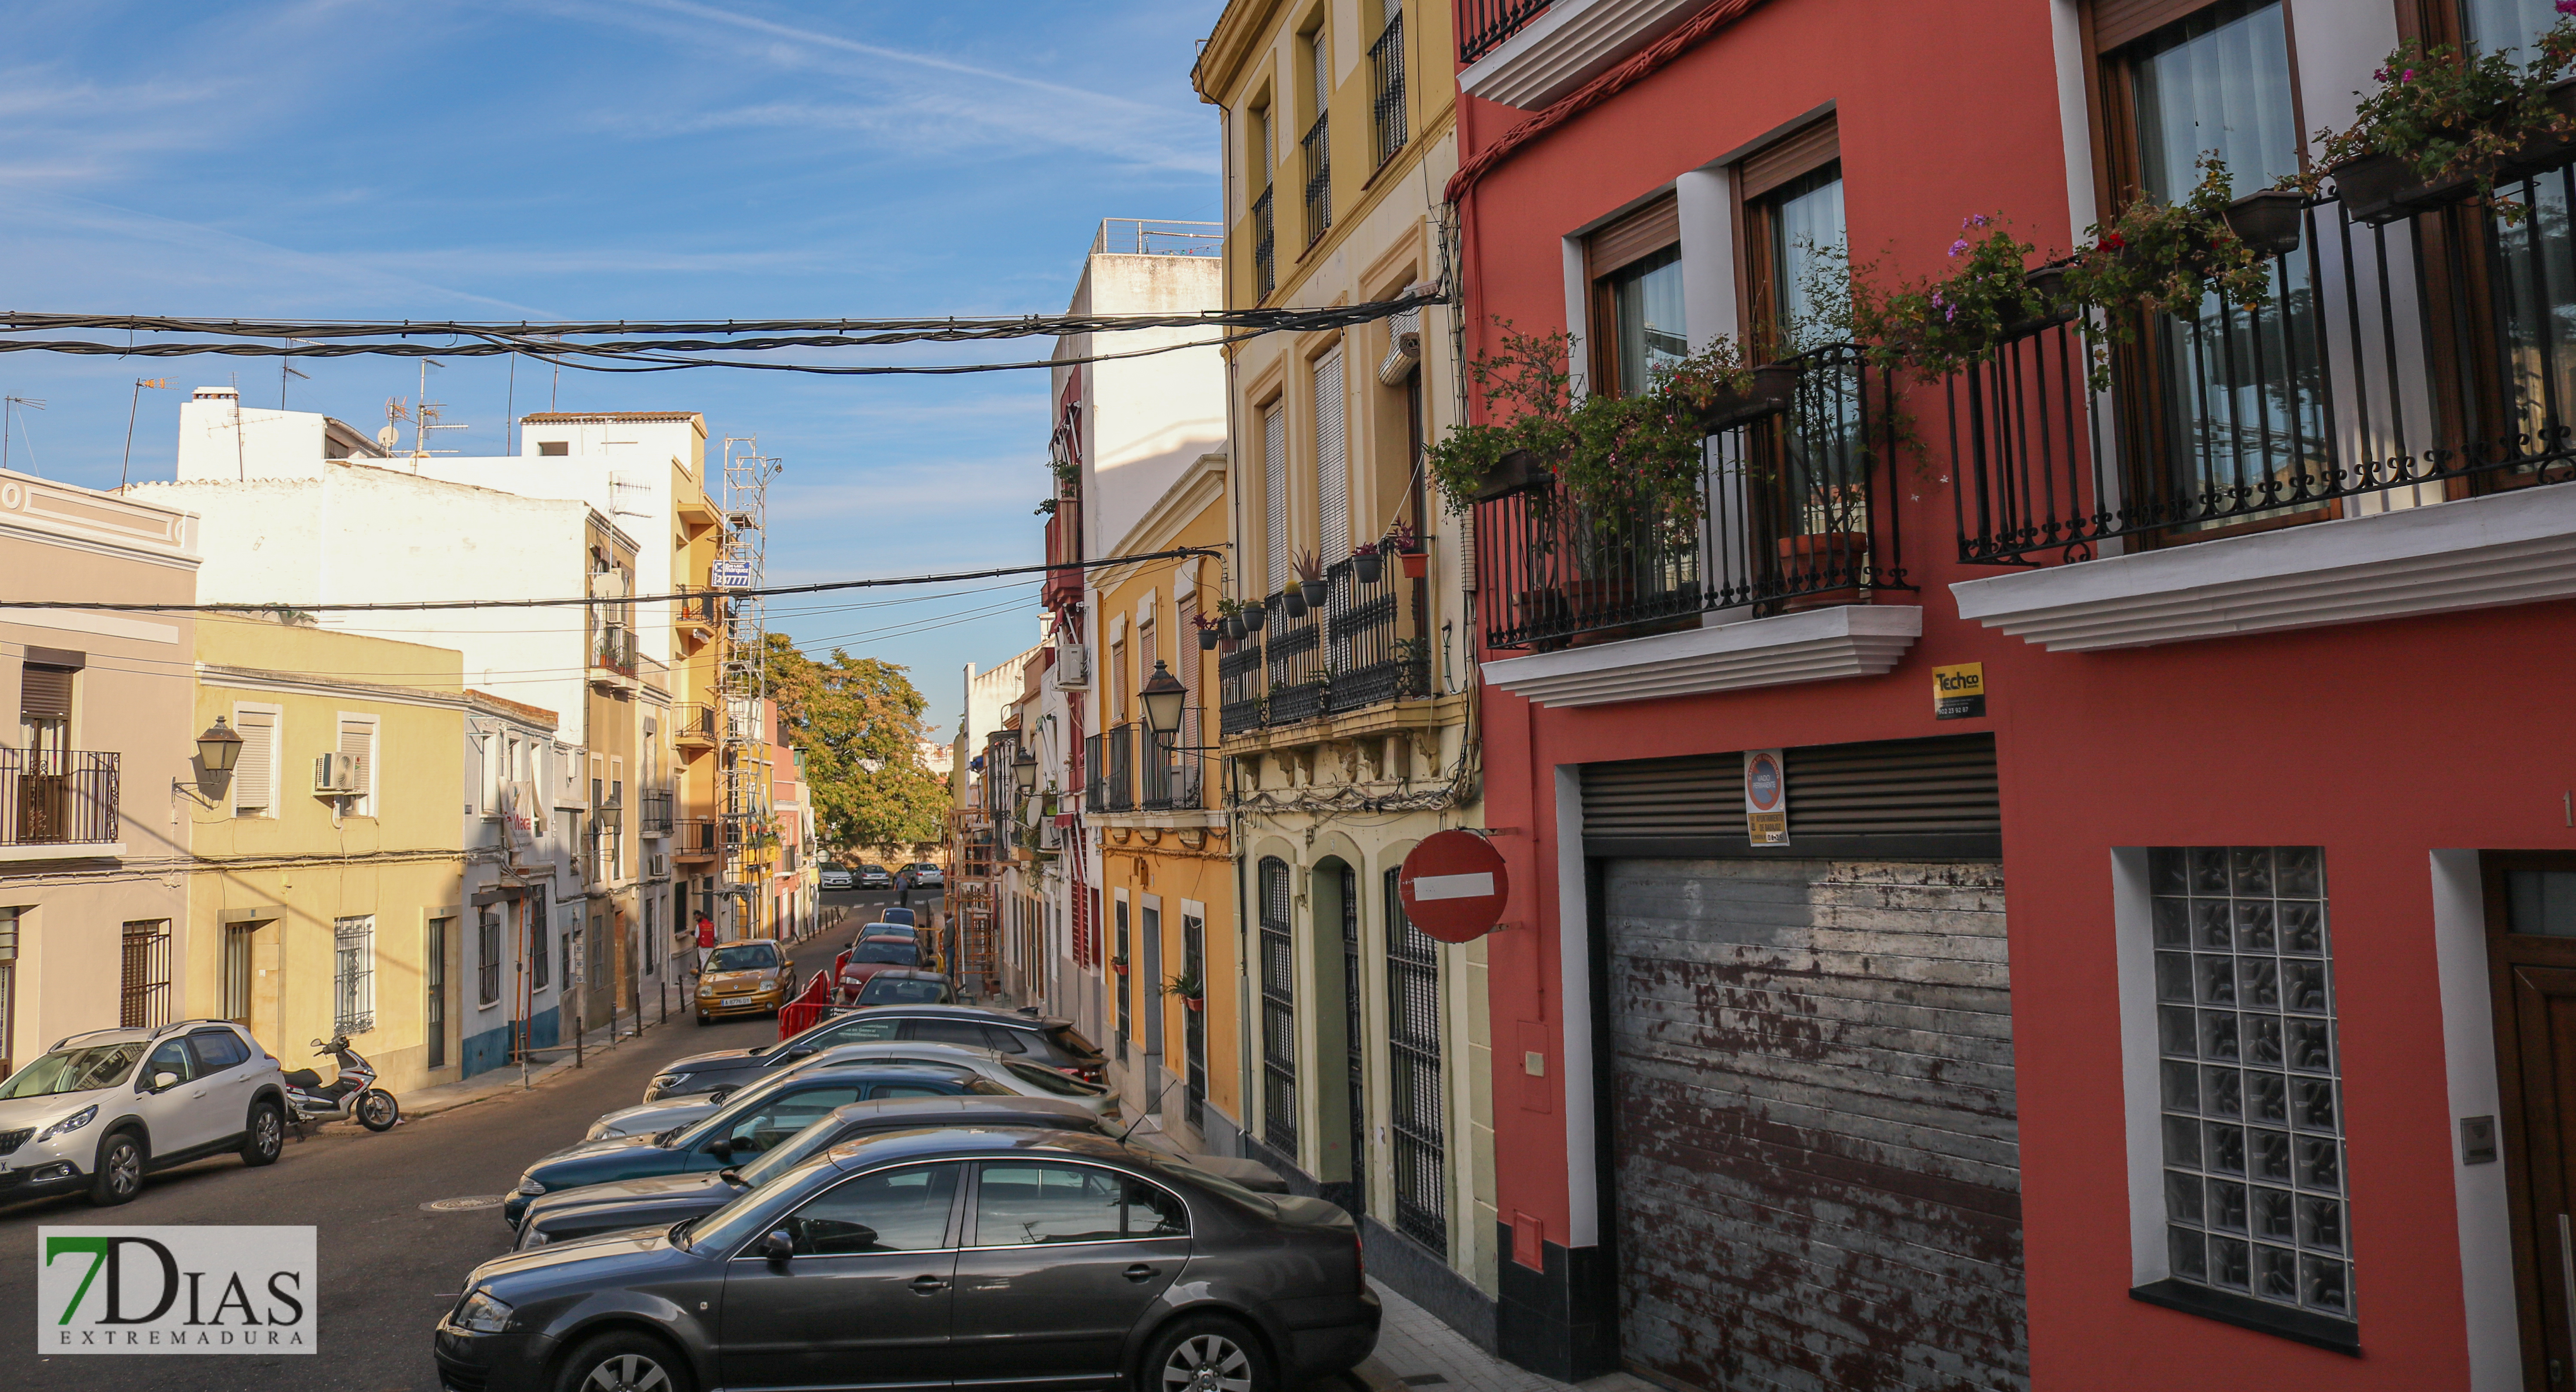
2251	1107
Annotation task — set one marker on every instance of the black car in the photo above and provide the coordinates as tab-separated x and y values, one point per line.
932	1257
666	1199
906	986
746	1125
1049	1042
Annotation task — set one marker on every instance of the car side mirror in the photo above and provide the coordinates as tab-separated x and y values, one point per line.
164	1081
717	1097
800	1051
721	1147
778	1246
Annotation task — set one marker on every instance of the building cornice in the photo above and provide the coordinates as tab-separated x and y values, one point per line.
1851	640
1230	48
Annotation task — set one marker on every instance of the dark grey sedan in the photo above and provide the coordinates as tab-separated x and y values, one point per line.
918	1258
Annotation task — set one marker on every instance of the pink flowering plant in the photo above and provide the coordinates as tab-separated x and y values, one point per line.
2452	115
2167	258
1939	325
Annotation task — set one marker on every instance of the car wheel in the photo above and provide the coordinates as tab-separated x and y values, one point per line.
624	1361
1207	1354
267	1135
119	1176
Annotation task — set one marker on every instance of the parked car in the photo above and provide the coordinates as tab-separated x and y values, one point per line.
897	986
666	1199
745	978
1014	1074
873	953
1048	1041
1059	1268
875	877
919	875
747	1124
101	1110
896	914
838	877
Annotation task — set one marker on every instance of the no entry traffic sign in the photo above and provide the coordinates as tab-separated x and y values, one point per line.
1453	886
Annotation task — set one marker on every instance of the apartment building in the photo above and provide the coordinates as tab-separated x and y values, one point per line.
1344	684
505	995
94	846
1918	969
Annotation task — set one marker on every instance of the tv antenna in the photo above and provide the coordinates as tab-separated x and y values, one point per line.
9	407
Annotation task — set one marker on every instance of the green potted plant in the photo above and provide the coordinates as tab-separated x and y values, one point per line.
2446	126
1230	617
1407	545
1939	325
1187	988
1367	564
1118	964
2158	258
1310	586
1211	631
1256	614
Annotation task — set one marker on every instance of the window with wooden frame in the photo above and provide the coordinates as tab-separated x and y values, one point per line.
1634	264
1791	201
2219	404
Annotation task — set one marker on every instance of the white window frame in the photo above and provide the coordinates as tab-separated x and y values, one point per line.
276	755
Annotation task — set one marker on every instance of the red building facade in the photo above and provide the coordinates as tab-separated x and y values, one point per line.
2183	1011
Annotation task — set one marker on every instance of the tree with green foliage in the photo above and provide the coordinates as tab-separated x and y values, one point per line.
845	714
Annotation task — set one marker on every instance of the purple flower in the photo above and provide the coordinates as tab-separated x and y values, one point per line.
1959	247
2382	74
2567	7
2408	76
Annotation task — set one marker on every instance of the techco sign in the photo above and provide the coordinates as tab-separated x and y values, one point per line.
174	1290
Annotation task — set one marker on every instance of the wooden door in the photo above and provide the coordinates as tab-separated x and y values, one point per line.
2531	936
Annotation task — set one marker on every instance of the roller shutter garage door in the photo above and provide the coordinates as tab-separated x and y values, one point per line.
1810	1057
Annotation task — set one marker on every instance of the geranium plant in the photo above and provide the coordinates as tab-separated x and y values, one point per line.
1938	326
2449	115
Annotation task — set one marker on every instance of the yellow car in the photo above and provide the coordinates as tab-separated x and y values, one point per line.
745	978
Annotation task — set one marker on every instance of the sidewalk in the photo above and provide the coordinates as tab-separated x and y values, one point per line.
447	1097
1414	1350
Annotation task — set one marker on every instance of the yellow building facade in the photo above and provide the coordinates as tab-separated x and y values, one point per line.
329	891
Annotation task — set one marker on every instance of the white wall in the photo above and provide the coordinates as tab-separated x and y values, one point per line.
1145	420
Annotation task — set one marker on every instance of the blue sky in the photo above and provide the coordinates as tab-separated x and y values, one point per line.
570	159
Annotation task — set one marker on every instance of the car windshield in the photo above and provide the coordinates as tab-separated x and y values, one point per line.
757	956
903	990
732	1225
891	929
75	1070
1048	1080
734	1105
899	918
789	1153
883	952
873	869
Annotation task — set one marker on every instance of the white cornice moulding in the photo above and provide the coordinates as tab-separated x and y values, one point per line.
1851	640
1567	46
2477	553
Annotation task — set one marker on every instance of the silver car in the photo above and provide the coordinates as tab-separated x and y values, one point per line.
100	1110
1026	1079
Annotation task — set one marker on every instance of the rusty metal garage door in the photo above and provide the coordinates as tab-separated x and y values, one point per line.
1812	1124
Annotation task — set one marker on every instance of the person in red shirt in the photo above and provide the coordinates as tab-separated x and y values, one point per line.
706	938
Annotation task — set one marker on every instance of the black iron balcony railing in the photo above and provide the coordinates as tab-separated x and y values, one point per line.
1792	513
1319	177
1386	69
1238	684
1169	774
693	723
694	837
1265	248
1484	24
614	649
1296	675
653	818
2404	358
52	797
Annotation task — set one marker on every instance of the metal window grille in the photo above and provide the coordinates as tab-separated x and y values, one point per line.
1278	1011
2249	1075
1386	66
353	975
1194	1078
1415	1116
238	938
1274	492
487	958
1354	1042
1265	247
1126	982
434	979
143	995
1319	177
8	988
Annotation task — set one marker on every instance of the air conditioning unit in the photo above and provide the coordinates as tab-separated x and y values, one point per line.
338	773
656	866
1072	666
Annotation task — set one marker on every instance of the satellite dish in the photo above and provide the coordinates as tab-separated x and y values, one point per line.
388	437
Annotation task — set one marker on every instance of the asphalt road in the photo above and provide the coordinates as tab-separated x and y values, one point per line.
389	1268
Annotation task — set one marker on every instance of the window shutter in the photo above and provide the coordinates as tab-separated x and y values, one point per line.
1924	798
358	743
1633	235
1332	462
2120	22
1274	469
1790	157
255	772
44	693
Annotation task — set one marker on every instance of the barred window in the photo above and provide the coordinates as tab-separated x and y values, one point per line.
143	995
2249	1075
353	974
1414	1093
1278	1011
487	957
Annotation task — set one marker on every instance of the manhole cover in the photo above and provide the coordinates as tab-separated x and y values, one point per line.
464	1205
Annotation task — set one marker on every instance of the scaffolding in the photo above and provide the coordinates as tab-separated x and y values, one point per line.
743	748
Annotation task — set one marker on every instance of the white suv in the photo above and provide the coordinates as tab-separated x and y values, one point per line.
101	1109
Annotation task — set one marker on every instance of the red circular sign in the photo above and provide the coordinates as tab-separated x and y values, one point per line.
1453	886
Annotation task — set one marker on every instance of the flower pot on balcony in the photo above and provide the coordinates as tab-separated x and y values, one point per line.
1417	564
1517	471
2378	189
1292	602
1209	637
1118	965
1255	615
1773	386
1368	565
2267	220
1807	561
1315	591
1195	1003
1235	628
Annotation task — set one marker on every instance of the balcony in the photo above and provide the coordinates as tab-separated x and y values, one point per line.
1265	248
696	620
58	798
1386	73
653	815
1063	550
1355	651
653	672
696	838
1533	55
1172	776
1483	25
612	658
2379	440
1318	146
694	726
1109	766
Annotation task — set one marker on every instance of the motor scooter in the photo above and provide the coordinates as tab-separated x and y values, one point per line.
352	1094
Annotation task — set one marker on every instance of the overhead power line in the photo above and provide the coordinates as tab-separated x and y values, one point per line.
583	601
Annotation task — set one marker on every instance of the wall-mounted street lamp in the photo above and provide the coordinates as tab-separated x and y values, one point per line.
218	750
1024	772
1165	698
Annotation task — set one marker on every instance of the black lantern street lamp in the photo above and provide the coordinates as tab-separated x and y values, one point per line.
1024	771
1164	696
219	748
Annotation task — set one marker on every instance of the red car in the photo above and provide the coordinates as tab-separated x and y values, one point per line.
871	955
